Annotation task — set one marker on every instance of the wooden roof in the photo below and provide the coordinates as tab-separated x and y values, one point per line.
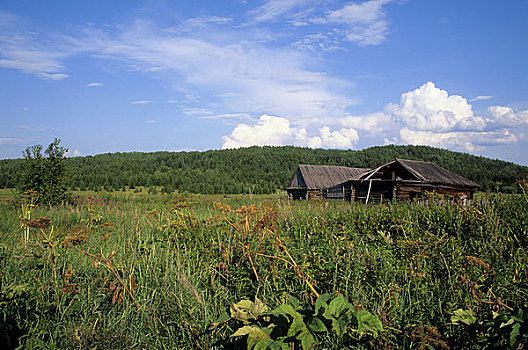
426	172
322	176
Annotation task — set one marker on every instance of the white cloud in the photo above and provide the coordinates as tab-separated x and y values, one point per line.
10	141
206	20
150	121
31	60
430	116
365	22
344	138
141	102
429	108
269	130
374	123
226	116
507	116
52	76
74	153
260	79
359	13
94	84
272	9
482	98
470	141
30	50
277	131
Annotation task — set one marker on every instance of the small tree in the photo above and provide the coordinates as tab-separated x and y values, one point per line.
44	174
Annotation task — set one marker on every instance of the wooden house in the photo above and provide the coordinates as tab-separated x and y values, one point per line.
311	181
404	180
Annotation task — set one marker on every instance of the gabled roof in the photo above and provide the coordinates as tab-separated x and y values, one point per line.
426	172
322	176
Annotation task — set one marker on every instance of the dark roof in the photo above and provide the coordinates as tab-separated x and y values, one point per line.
323	176
427	172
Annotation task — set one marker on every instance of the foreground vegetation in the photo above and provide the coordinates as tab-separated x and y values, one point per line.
256	170
112	270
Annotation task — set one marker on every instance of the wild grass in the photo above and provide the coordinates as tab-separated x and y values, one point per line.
133	270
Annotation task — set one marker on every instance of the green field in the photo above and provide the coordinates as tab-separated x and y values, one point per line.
120	270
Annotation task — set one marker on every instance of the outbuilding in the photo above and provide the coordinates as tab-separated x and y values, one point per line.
404	180
311	181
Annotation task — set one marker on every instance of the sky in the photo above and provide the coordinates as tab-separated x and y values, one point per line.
123	76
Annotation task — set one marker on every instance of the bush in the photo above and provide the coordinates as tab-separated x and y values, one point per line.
44	174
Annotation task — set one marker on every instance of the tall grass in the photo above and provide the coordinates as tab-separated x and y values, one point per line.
154	271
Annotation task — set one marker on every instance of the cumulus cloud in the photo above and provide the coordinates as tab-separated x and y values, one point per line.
507	116
343	139
269	130
278	131
374	123
429	108
430	116
468	141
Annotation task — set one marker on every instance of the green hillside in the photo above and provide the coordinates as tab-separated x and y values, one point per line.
257	169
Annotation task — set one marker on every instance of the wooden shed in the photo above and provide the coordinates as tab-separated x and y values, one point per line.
311	181
405	180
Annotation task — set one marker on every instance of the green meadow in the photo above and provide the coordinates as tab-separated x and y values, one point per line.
133	270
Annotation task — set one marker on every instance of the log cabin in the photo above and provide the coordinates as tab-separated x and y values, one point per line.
403	180
311	181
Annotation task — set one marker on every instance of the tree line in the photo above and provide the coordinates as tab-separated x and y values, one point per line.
257	170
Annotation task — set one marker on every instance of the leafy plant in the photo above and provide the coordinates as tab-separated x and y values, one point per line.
507	330
44	174
331	320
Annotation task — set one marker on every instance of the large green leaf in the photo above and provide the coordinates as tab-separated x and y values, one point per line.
296	327
293	301
368	323
271	344
246	310
262	345
464	316
308	341
316	325
253	332
337	307
340	325
321	304
224	317
514	334
287	310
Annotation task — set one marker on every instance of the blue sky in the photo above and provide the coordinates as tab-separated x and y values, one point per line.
121	76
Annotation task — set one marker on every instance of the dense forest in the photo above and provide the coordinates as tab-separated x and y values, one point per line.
255	170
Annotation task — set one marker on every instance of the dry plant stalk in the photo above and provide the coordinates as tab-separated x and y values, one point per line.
106	261
259	222
77	241
474	287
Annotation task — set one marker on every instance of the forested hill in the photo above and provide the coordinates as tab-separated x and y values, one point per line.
257	169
